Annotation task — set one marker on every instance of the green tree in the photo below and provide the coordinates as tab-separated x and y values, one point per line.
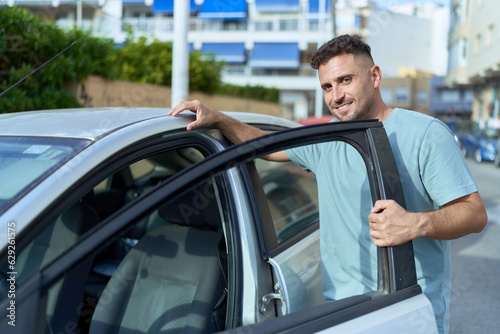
151	63
27	42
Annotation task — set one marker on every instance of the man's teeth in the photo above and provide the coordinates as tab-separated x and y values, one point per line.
344	106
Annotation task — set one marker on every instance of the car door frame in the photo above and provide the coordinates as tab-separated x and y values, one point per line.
367	136
396	266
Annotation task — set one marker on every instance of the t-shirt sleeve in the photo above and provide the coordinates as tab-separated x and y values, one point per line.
443	169
306	157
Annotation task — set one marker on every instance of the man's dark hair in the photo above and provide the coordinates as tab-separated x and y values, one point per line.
345	44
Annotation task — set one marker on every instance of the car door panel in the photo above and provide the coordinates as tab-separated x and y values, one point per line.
411	315
300	274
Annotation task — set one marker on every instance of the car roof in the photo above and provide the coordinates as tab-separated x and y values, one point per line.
95	123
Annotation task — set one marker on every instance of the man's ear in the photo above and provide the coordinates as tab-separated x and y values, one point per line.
376	75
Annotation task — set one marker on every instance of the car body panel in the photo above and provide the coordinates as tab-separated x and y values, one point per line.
94	123
393	316
496	161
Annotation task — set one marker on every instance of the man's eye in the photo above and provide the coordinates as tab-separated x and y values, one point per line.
346	80
327	88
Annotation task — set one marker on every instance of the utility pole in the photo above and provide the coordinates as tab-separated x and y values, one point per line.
322	18
79	14
334	21
180	57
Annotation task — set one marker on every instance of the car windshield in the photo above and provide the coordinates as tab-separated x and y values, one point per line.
491	133
25	161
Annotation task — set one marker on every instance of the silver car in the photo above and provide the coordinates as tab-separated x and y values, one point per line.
120	220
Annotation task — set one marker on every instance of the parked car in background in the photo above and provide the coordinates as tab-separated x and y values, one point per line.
120	220
460	128
496	162
481	144
316	120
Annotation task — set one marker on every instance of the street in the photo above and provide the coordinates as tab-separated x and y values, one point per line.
475	286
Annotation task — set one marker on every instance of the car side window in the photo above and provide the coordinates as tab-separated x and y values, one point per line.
292	196
108	196
131	181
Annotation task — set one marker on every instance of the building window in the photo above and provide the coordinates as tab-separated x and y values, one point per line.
313	26
402	95
348	21
450	96
289	25
469	95
264	26
386	94
488	36
477	44
422	97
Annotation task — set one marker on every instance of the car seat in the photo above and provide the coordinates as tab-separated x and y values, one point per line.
172	280
63	297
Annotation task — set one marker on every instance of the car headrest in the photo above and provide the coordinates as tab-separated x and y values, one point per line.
195	208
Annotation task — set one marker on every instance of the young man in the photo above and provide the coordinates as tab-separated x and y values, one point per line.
441	196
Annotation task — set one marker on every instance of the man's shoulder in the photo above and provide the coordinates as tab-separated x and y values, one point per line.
410	120
413	115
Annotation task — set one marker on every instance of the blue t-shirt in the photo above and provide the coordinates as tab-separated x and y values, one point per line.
432	171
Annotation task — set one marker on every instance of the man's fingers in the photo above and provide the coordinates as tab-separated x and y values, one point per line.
193	125
381	205
181	106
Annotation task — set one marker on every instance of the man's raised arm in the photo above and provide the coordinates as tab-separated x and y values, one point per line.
233	129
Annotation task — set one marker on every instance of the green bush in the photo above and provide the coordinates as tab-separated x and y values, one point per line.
151	63
250	92
27	42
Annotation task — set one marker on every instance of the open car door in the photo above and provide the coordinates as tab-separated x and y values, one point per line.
252	281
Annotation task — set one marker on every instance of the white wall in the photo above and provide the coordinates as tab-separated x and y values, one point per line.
399	41
483	22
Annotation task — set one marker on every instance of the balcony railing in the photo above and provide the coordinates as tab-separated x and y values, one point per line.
160	24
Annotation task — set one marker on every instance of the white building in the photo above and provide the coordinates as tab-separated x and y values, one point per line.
474	56
269	42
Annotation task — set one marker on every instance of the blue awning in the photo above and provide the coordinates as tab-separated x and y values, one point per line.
167	6
275	55
314	6
277	6
133	2
233	53
223	10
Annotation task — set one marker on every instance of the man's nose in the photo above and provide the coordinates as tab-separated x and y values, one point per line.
337	94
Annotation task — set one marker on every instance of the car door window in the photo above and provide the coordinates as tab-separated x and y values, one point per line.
292	196
292	199
131	181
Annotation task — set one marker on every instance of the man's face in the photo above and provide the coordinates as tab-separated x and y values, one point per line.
348	87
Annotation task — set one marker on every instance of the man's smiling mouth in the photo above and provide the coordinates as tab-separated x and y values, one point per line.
342	107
